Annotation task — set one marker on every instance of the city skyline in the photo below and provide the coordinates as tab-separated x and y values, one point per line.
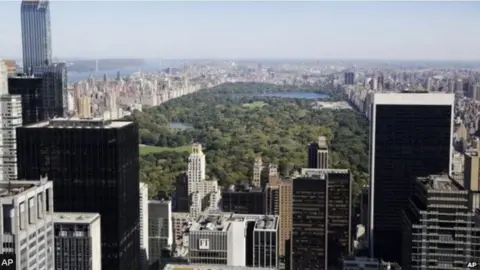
318	30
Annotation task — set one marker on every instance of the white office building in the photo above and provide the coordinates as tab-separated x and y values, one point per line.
27	223
77	241
203	193
143	226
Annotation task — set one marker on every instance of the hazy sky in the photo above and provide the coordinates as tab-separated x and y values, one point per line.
158	29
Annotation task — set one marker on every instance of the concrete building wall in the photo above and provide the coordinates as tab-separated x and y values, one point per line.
143	225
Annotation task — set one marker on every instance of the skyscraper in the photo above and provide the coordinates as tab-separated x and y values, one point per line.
204	193
410	137
318	154
95	167
36	37
440	230
322	210
54	95
11	115
10	119
30	89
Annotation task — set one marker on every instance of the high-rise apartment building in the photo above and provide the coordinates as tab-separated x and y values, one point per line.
278	201
84	109
27	223
30	88
329	230
410	137
11	115
95	167
160	228
10	119
144	221
203	193
77	241
36	34
54	96
439	228
257	172
318	154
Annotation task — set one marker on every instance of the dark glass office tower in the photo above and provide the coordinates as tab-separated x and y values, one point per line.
30	89
36	34
94	167
54	89
309	223
243	199
339	216
411	136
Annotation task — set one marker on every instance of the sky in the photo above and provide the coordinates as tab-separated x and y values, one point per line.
254	30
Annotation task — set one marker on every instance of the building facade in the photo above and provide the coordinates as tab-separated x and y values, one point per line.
160	228
30	88
318	154
440	231
27	229
309	223
54	94
77	241
410	136
144	222
265	242
11	115
36	34
94	164
203	193
243	199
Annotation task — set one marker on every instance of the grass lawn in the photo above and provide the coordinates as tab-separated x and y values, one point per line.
255	104
147	149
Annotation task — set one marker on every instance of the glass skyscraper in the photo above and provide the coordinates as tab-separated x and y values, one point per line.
36	37
94	166
410	137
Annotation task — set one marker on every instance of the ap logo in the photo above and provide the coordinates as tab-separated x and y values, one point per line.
7	261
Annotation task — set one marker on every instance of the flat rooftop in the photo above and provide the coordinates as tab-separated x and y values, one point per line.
320	173
76	122
65	217
414	98
439	182
14	188
221	222
212	267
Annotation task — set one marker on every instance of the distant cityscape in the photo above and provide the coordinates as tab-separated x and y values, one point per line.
70	185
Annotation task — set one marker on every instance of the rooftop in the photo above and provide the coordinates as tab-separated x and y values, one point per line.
242	187
212	267
220	222
14	188
75	122
415	98
61	217
320	173
439	182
